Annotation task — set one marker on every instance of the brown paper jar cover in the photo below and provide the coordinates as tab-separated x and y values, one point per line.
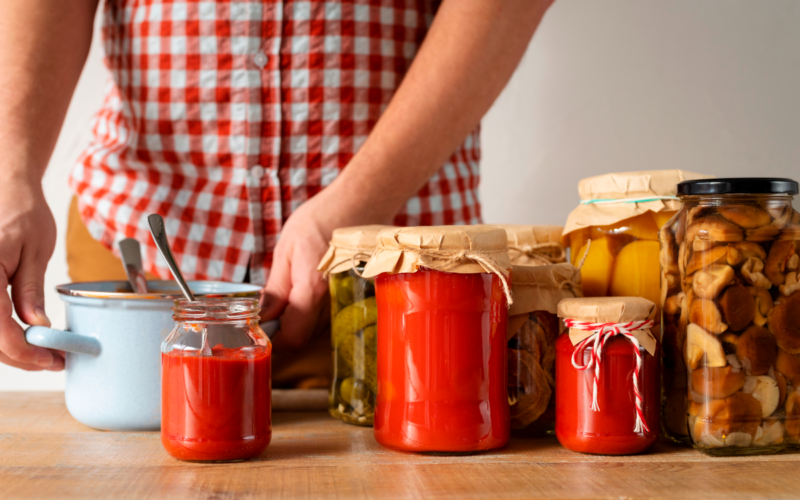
540	288
453	249
348	247
626	186
534	245
609	310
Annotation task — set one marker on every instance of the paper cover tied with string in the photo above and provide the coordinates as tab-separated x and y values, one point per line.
532	331
534	245
349	246
452	249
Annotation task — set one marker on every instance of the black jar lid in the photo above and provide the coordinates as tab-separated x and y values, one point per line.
738	185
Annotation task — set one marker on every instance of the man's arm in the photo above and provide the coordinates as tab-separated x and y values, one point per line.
467	58
43	46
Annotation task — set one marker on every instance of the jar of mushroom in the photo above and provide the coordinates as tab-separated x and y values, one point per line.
730	271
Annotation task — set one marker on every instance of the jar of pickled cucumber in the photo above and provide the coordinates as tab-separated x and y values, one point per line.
354	318
532	332
534	245
617	221
731	313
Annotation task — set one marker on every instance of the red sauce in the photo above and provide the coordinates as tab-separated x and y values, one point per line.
216	408
609	431
441	362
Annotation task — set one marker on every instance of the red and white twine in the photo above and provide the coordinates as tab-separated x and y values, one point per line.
595	342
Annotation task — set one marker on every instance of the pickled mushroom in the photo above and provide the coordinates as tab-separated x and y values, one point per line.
700	260
719	418
700	344
784	323
764	304
745	216
709	282
752	272
775	265
714	228
706	314
757	350
738	307
789	366
793	415
717	382
765	390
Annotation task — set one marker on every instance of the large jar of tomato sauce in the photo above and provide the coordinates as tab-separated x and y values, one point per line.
532	332
621	214
216	385
442	295
608	380
354	317
732	317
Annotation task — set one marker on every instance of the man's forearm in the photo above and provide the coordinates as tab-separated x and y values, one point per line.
467	58
43	47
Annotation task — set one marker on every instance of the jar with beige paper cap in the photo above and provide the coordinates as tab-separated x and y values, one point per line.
608	381
353	323
617	221
442	295
534	245
533	328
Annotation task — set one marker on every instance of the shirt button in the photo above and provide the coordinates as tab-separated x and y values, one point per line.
256	172
260	60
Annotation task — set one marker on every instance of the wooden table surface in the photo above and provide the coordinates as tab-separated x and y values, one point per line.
45	453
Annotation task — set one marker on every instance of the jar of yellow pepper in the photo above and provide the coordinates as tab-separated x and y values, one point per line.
618	222
354	318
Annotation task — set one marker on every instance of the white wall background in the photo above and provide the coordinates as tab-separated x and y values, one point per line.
613	85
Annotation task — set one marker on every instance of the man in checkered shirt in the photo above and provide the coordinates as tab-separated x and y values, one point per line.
240	121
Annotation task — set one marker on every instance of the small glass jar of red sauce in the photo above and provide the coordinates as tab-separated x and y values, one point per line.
442	295
608	383
216	382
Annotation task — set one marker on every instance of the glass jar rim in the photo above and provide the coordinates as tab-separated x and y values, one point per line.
219	309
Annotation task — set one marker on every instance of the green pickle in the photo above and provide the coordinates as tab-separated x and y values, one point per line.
354	317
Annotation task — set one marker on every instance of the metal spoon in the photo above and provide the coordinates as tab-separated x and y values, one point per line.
132	262
160	238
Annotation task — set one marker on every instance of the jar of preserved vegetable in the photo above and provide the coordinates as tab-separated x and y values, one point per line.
621	214
532	331
731	259
215	377
442	295
608	381
534	245
353	323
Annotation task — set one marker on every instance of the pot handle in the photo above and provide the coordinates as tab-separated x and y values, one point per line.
62	340
271	327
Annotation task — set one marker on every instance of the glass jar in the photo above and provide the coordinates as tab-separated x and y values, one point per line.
597	409
731	257
532	332
621	214
216	387
354	317
442	295
441	362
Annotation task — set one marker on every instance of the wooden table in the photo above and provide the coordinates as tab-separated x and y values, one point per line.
45	453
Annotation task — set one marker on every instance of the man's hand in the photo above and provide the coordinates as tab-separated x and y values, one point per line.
27	239
295	290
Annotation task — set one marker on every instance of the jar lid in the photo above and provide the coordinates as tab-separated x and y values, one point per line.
738	185
534	245
541	288
606	309
350	246
453	249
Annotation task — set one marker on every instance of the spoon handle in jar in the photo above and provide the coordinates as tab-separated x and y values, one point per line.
160	238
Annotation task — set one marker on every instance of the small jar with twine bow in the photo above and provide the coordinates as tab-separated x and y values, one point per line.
532	332
608	385
353	323
442	294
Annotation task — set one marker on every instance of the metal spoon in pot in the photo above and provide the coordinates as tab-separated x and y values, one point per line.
160	238
131	255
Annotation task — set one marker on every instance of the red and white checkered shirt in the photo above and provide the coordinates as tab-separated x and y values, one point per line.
224	116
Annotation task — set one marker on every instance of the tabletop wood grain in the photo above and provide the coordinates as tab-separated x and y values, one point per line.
45	453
